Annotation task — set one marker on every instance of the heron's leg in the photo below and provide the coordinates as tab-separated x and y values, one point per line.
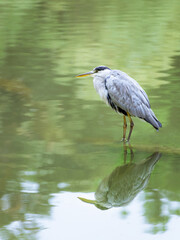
124	128
131	126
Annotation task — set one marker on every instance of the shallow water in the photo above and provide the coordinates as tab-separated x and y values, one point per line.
63	171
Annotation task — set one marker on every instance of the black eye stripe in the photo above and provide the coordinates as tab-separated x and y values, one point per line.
100	68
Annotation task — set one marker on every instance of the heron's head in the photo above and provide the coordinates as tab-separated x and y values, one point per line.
100	71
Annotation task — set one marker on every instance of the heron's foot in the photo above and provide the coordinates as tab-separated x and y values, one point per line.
124	140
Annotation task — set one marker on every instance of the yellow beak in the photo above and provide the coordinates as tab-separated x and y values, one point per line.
85	74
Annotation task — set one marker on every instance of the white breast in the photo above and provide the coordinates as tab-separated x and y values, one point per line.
99	85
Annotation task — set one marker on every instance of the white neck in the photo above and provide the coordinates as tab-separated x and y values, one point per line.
99	84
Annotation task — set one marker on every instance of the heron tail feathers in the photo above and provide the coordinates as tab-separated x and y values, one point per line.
151	118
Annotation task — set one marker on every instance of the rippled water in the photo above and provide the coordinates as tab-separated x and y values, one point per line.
64	174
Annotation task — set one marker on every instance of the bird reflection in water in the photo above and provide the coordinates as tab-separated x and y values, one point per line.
124	183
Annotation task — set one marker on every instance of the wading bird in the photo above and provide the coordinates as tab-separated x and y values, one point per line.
124	95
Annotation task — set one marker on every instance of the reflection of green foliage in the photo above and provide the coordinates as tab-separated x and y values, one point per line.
154	213
153	207
51	124
124	214
157	209
49	50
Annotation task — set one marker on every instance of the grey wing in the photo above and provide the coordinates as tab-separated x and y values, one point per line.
127	94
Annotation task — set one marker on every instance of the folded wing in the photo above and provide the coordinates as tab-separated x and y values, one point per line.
128	95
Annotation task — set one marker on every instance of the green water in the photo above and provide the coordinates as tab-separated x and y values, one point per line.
58	141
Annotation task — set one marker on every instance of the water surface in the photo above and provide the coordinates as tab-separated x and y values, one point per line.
58	141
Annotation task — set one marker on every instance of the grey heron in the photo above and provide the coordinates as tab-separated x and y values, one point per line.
124	95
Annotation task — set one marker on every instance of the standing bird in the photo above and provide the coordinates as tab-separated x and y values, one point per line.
124	95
